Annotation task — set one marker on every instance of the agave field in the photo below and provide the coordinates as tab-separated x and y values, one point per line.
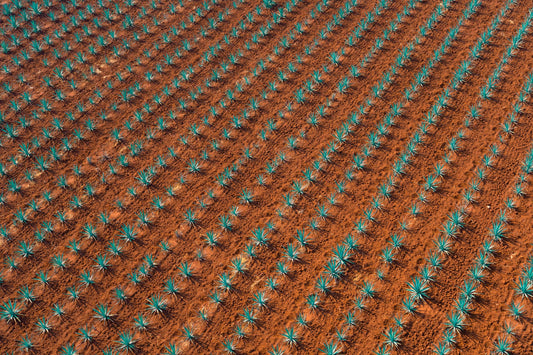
266	177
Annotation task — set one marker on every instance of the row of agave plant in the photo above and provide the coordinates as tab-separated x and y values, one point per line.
143	179
224	221
161	123
262	230
136	148
61	181
419	286
361	228
129	233
521	293
22	216
91	102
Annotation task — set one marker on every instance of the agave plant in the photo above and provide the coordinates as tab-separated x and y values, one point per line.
190	217
225	223
418	288
87	278
313	301
331	348
392	337
43	278
103	313
128	233
249	316
58	310
59	261
156	304
145	178
441	349
497	231
11	311
126	342
259	236
229	346
503	346
25	249
246	196
455	321
185	270
43	325
189	334
26	294
290	336
86	334
516	309
26	344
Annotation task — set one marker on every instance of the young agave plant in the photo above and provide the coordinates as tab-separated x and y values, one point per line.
86	334
25	249
259	236
103	313
225	282
171	349
185	270
126	342
156	304
43	278
290	336
331	348
226	223
43	326
503	346
229	346
26	344
171	287
188	333
128	233
26	294
455	321
249	316
392	337
141	322
418	288
11	311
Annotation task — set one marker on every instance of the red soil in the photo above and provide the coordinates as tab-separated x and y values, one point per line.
200	193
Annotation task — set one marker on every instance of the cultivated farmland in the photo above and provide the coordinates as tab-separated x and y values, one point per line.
266	176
